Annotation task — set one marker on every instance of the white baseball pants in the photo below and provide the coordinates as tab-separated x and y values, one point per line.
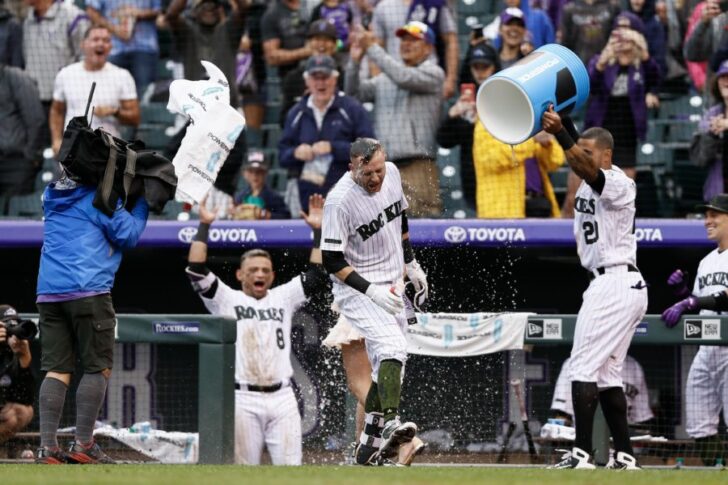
613	305
384	334
706	391
270	419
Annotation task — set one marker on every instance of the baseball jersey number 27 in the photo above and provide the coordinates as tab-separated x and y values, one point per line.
591	231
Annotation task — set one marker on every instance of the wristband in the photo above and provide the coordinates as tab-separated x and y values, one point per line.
564	139
202	232
409	254
317	238
357	281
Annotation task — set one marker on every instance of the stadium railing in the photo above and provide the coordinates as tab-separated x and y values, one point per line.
215	339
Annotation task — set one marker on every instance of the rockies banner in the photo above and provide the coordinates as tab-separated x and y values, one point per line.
466	334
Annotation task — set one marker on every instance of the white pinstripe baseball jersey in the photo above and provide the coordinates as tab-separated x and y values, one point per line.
706	389
366	227
604	223
263	345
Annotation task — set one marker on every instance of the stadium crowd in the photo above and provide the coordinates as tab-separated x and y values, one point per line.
311	76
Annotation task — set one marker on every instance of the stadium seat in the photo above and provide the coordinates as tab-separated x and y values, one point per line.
681	130
156	113
655	154
682	108
684	186
277	179
469	7
153	136
650	194
30	205
271	135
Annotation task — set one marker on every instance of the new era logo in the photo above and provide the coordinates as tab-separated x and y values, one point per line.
702	329
693	329
535	329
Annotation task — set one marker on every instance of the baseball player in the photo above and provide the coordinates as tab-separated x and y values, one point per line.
358	371
635	391
706	390
616	299
266	411
365	244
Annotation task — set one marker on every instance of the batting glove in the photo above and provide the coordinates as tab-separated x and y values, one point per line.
677	282
672	315
386	298
417	276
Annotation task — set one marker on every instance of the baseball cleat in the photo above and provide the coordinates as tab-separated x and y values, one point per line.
623	461
366	455
574	459
51	456
394	434
90	454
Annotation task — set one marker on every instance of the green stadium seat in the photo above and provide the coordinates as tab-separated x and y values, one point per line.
153	136
163	71
278	179
683	107
30	205
469	7
681	130
156	113
686	186
659	154
271	135
650	194
559	180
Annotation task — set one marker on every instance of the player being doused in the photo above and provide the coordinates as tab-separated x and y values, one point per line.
365	244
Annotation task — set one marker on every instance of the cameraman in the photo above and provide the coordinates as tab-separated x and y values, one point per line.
82	249
16	380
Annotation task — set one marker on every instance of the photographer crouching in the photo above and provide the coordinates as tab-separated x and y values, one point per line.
16	380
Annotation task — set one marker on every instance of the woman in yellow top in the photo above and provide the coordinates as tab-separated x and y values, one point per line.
507	182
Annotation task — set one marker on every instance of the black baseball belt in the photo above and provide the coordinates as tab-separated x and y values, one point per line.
602	270
253	388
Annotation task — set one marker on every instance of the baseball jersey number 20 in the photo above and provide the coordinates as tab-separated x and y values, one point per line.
279	338
591	231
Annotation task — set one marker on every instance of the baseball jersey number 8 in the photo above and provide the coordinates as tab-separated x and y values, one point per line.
591	231
279	338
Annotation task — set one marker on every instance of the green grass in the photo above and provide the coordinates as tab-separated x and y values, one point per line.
220	475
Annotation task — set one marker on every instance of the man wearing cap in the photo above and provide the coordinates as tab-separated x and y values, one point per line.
407	98
706	390
512	31
321	39
258	201
319	130
389	15
457	129
208	35
17	386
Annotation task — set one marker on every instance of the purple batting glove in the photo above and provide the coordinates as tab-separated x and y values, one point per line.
678	284
672	315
